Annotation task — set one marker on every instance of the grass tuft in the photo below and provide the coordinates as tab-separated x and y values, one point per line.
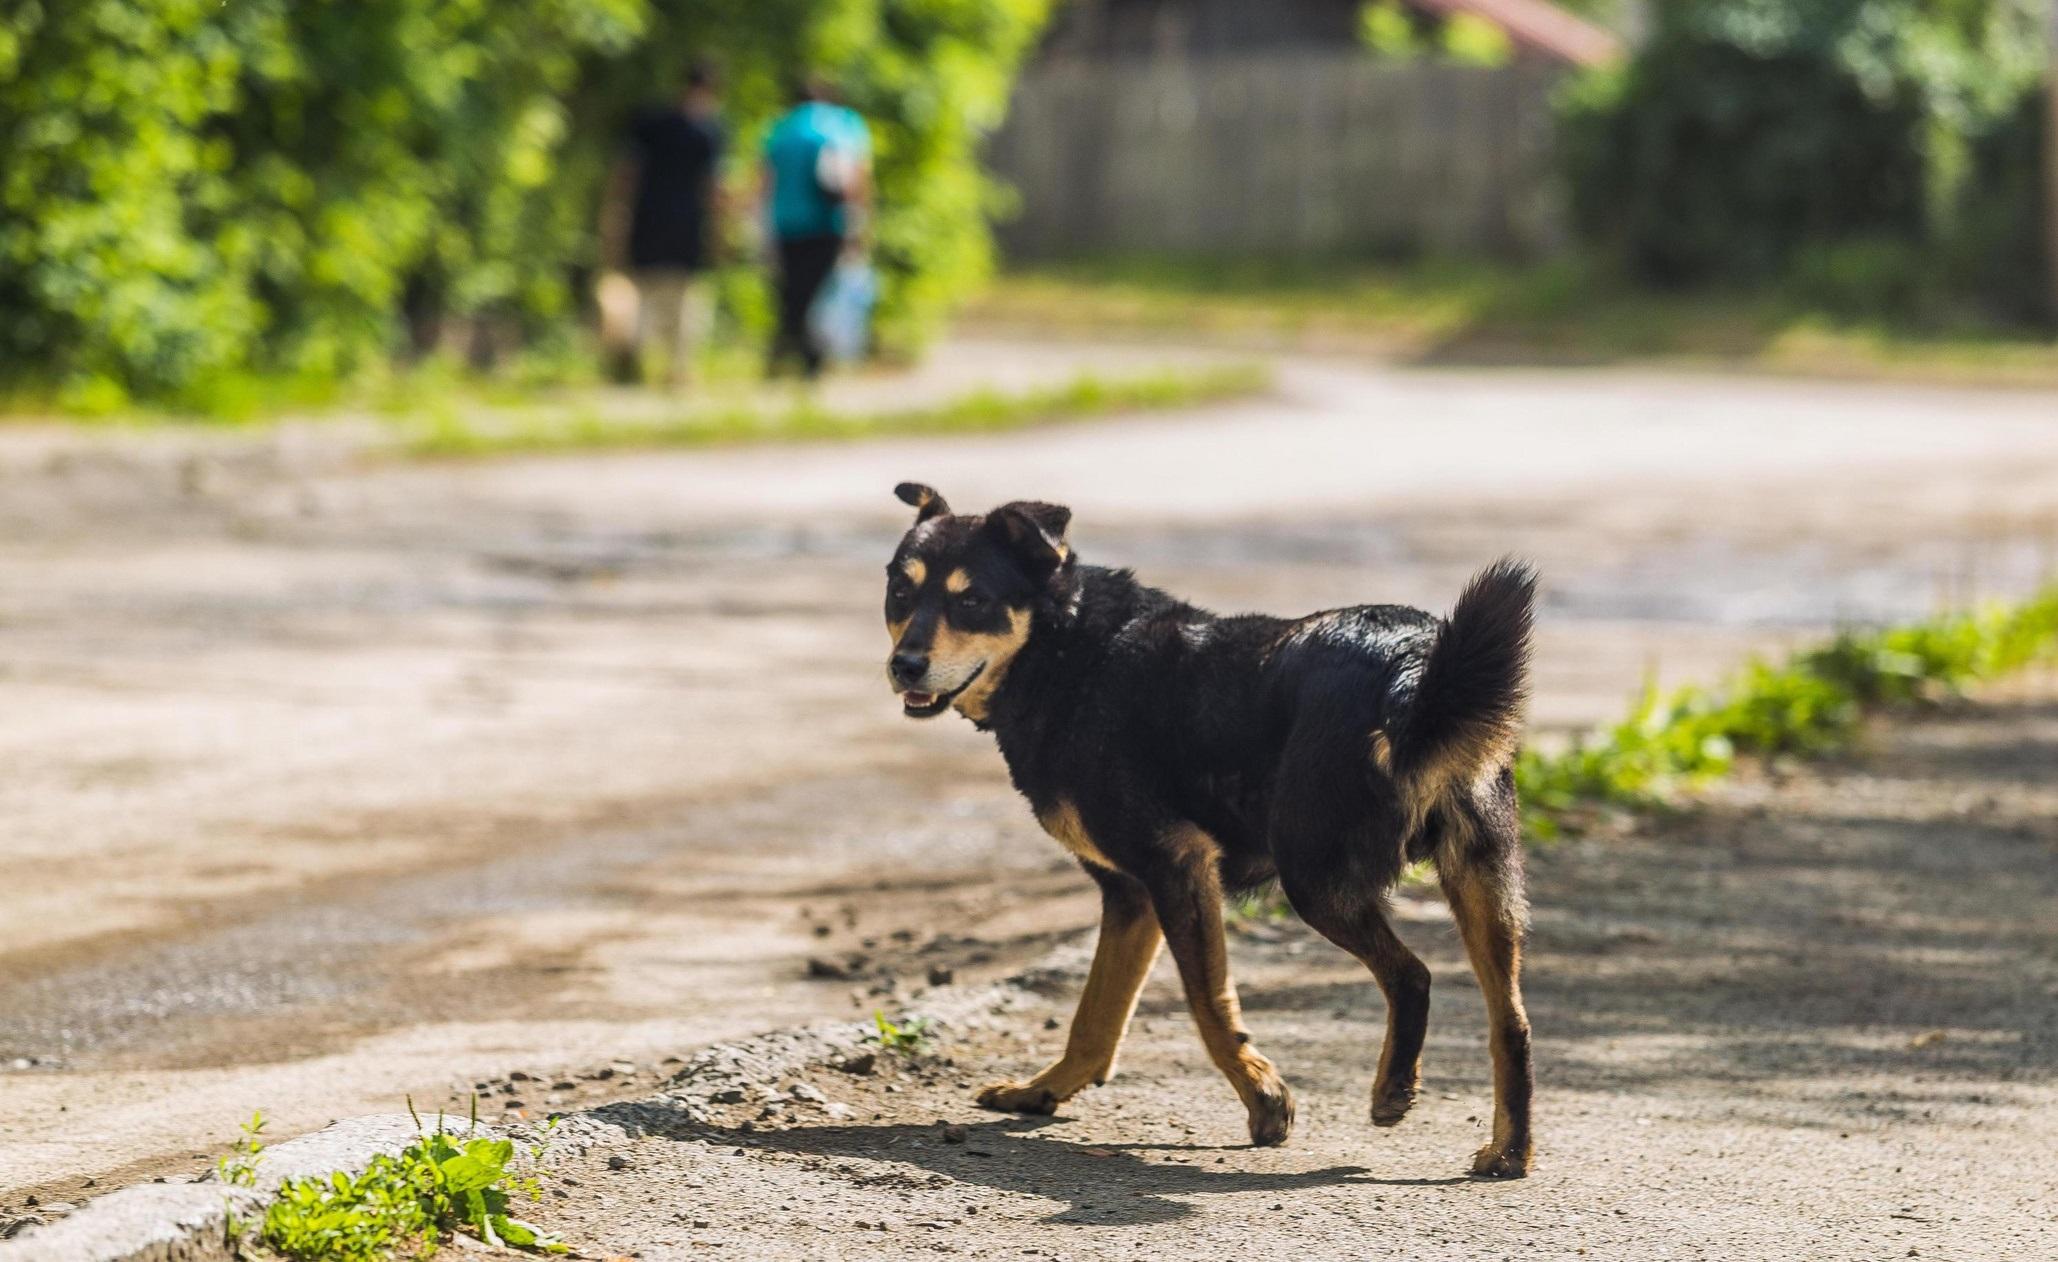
1811	704
1563	311
401	1205
980	412
911	1037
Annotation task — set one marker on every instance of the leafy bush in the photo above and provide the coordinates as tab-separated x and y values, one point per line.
191	190
1385	29
1747	132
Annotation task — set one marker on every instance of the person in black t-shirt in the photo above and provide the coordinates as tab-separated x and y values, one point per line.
668	184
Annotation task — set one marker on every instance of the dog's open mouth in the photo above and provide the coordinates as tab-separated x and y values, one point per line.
927	705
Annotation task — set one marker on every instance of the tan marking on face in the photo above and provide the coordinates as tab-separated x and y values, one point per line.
958	582
956	653
1382	752
916	570
1062	822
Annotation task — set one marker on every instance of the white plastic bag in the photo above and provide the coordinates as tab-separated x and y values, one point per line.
842	315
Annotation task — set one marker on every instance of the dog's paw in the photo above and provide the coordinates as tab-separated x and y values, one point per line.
1271	1116
1493	1162
1391	1105
1018	1097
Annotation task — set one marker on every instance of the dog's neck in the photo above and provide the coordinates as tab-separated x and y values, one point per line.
1067	648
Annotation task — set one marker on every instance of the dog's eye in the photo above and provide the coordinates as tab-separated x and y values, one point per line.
971	602
900	589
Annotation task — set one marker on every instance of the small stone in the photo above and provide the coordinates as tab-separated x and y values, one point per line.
939	975
564	1084
859	1064
729	1095
519	1076
808	1092
1051	1023
955	1134
843	969
618	1162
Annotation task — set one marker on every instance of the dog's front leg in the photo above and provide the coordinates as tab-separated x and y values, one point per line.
1129	942
1187	893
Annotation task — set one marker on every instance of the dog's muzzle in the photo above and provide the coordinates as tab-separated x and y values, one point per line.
917	704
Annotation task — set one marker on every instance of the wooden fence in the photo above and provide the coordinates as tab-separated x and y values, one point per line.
1286	154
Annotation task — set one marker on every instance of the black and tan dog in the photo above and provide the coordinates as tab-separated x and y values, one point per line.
1179	754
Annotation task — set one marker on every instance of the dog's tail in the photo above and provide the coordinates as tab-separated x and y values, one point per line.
1465	717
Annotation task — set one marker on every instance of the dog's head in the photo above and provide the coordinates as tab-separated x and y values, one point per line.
961	597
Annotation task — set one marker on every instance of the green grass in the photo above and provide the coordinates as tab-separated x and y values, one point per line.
451	434
911	1037
1812	703
400	1205
1570	311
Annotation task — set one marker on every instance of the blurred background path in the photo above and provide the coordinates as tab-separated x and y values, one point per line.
331	781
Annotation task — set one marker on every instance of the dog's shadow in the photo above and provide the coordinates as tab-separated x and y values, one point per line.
1100	1183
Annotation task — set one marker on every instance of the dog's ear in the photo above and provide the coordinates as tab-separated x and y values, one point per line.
924	499
1034	533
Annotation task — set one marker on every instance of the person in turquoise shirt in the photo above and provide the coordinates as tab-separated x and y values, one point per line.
817	184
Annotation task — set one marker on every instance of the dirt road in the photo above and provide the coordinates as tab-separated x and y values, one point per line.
330	783
1819	1021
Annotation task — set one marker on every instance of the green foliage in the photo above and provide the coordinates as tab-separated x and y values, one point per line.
1388	30
401	1205
239	1167
1811	704
194	191
982	411
1746	132
910	1038
1471	40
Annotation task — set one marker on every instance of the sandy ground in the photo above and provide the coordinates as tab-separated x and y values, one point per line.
1818	1020
329	782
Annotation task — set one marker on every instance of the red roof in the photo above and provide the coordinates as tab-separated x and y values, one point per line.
1536	26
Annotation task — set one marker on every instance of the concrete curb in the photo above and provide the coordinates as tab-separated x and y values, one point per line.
188	1222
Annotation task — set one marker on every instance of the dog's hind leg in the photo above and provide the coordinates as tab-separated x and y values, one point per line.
1187	892
1129	942
1353	916
1482	880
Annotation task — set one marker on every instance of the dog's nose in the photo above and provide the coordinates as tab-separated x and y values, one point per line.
908	668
